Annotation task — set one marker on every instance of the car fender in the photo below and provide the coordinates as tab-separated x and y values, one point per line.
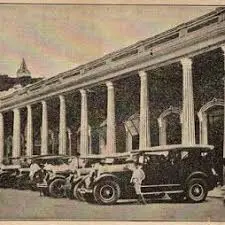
106	176
56	177
196	174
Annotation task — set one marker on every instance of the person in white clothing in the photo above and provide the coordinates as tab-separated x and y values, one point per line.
137	177
34	167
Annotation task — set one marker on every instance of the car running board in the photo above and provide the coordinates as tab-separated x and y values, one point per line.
161	185
159	192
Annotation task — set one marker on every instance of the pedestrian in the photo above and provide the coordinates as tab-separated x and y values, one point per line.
34	167
137	177
42	183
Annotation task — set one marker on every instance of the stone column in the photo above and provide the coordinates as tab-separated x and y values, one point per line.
111	127
1	137
223	49
144	140
44	129
203	128
16	145
62	126
188	125
162	131
29	131
84	124
70	142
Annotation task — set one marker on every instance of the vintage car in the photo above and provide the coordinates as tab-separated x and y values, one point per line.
22	178
73	181
50	163
8	173
177	170
115	161
60	178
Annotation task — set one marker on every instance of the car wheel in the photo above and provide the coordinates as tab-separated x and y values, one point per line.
56	188
77	195
107	192
177	197
197	190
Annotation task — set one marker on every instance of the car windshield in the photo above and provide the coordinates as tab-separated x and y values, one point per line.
52	160
195	154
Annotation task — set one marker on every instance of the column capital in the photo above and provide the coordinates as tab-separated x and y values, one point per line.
16	110
28	106
142	74
186	62
61	97
83	91
43	102
109	84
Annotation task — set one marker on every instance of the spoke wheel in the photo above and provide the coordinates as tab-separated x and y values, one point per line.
197	190
107	192
77	195
56	188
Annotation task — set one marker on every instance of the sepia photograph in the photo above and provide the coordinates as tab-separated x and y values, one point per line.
112	112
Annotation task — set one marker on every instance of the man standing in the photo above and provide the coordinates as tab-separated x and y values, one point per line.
137	177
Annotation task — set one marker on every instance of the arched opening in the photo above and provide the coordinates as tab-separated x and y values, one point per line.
169	123
211	126
173	129
215	136
132	132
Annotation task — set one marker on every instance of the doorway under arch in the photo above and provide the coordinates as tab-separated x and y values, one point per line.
211	129
169	123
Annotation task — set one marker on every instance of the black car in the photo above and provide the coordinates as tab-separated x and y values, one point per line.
8	174
22	179
178	170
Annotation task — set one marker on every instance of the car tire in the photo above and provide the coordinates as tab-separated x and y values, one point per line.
177	197
197	190
107	192
77	195
56	188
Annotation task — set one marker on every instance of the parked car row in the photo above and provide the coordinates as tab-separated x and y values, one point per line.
181	172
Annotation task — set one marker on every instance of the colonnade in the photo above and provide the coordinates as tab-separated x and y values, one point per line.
188	118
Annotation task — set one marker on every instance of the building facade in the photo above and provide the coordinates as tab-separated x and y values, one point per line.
163	90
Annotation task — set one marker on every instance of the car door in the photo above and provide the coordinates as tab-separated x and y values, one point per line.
153	169
172	167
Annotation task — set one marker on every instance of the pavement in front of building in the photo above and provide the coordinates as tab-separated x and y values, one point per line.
28	205
217	192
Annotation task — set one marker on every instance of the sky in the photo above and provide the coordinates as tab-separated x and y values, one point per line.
56	38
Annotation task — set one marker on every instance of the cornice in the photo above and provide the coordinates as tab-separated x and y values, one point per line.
186	45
